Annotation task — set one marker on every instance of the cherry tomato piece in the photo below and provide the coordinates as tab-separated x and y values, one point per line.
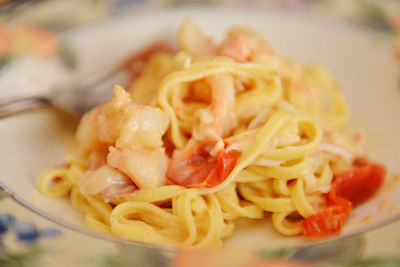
358	184
198	168
328	222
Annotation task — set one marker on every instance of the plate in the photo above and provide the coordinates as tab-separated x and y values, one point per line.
360	60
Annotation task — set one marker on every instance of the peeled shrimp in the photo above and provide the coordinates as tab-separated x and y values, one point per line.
217	120
108	182
123	123
145	167
191	39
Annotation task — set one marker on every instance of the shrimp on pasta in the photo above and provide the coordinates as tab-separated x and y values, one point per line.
209	133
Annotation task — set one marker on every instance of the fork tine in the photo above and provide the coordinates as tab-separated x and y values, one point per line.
11	106
84	97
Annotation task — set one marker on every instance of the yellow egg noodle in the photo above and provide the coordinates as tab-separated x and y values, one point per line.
285	119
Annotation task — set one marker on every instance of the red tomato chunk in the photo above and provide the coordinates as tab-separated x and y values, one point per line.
349	189
359	184
198	168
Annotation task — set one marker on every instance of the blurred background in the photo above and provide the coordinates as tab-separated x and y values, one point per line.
25	25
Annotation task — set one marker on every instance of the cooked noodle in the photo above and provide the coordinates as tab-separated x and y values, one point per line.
284	122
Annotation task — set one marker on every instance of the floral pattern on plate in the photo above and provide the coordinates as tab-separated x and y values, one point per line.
24	236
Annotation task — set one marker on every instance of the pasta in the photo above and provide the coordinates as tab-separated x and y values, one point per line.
209	134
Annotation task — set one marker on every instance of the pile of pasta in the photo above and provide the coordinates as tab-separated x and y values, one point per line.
206	134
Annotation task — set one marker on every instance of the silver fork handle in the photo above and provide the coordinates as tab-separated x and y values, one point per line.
12	106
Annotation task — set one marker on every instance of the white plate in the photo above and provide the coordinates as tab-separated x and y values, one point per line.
361	61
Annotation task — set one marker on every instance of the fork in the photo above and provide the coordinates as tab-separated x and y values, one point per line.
73	101
78	99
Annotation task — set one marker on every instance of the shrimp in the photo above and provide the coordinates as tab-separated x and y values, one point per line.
101	126
127	137
121	122
342	149
86	134
96	159
217	120
146	168
107	181
343	146
111	116
191	39
244	44
144	127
